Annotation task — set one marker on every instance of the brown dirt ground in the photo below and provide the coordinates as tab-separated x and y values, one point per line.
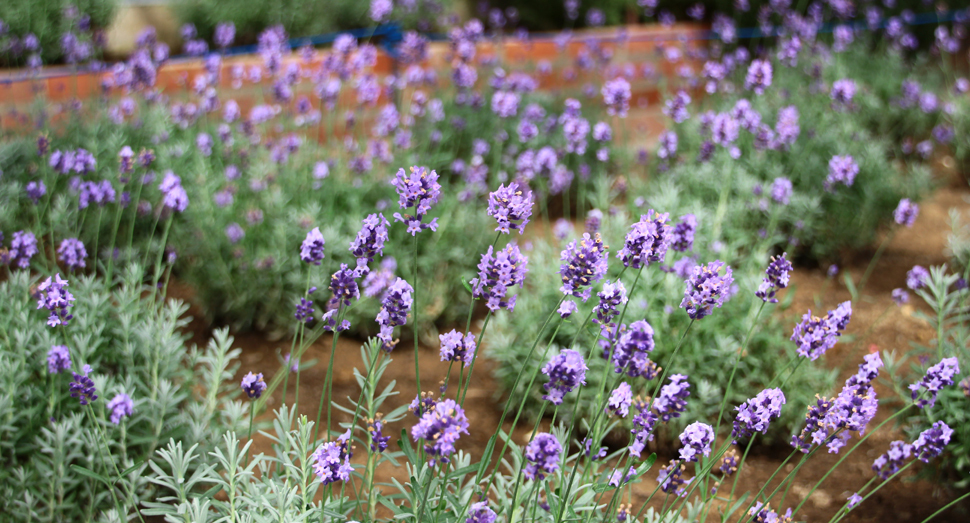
876	322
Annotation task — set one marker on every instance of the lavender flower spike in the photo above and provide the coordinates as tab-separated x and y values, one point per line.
646	241
440	428
697	439
776	277
938	376
419	189
311	251
511	208
497	273
394	312
566	371
253	385
55	297
815	336
369	242
755	414
931	441
706	289
58	359
455	347
906	213
331	461
120	406
542	455
82	387
583	264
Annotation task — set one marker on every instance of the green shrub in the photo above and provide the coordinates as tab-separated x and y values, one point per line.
46	20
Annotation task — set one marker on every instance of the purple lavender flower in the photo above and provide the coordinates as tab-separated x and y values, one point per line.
781	190
616	96
99	193
842	93
931	441
646	241
671	478
594	219
937	377
82	387
311	251
35	191
480	513
58	359
890	462
842	169
505	104
511	207
394	312
906	212
343	286
419	189
830	421
672	400
497	273
758	77
602	132
567	308
54	296
729	463
787	128
542	454
776	277
566	371
174	195
583	264
755	414
253	385
455	347
917	277
668	146
235	233
706	289
696	440
23	247
854	500
440	428
900	296
304	309
620	400
612	296
676	107
643	424
369	241
815	336
120	406
225	34
331	461
72	253
632	351
682	235
763	513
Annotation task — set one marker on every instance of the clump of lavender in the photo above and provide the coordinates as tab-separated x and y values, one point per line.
682	235
706	289
815	336
616	96
671	478
776	277
369	242
566	371
758	77
757	413
620	400
82	387
582	265
647	240
906	213
497	273
830	421
917	277
542	455
394	312
418	189
331	461
58	359
311	250
72	252
173	194
632	351
253	385
938	376
121	406
931	441
696	440
55	297
672	401
440	428
892	460
455	347
842	169
511	208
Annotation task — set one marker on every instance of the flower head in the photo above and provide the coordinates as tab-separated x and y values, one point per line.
931	441
23	247
842	169
455	347
511	207
632	351
776	277
917	277
762	513
542	455
620	400
755	414
253	385
938	376
706	289
900	296
120	406
758	77
369	241
331	461
814	336
440	429
616	96
583	264
682	235
497	273
566	371
82	387
672	400
418	189
906	213
55	297
696	440
58	359
394	312
72	252
311	250
647	240
671	478
890	462
480	513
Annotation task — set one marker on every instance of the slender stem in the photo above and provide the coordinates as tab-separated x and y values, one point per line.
737	360
328	381
416	308
252	414
875	259
948	505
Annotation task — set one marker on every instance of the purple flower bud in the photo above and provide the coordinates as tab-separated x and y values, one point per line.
58	359
566	371
311	251
253	385
938	376
121	406
906	213
331	461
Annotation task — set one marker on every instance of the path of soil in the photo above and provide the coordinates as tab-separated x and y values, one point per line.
903	500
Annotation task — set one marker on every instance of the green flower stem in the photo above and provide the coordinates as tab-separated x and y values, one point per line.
328	381
161	253
851	450
114	237
734	368
737	473
518	476
945	507
845	510
471	368
416	309
763	487
875	259
252	414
